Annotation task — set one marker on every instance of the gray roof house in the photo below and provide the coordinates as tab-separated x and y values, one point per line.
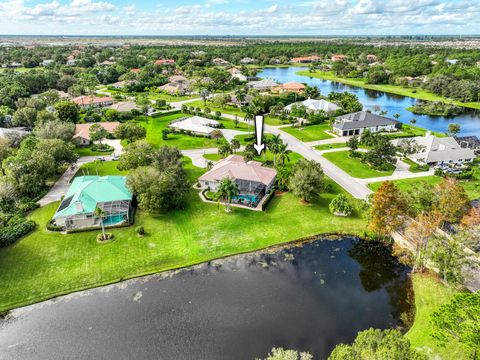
358	122
435	150
262	85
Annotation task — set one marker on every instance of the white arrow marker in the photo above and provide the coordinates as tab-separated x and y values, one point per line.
259	146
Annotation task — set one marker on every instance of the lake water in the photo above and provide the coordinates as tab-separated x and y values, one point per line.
308	297
394	104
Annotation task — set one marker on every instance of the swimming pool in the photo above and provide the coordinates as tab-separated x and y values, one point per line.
246	198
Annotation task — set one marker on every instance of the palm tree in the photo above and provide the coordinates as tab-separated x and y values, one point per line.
216	134
249	115
227	189
283	154
274	144
413	121
100	214
240	96
235	145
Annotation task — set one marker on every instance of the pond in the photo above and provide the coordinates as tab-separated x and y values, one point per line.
394	104
308	297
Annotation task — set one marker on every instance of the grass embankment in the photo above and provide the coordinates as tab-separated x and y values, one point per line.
310	132
353	166
429	295
417	93
471	186
47	264
231	110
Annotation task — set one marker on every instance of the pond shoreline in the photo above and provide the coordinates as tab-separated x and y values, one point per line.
398	90
266	249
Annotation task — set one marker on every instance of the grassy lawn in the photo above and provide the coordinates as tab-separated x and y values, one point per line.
353	166
102	168
232	110
46	264
331	146
267	157
472	186
310	132
170	98
87	151
416	93
429	295
155	125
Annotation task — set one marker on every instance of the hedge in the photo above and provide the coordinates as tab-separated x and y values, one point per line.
15	229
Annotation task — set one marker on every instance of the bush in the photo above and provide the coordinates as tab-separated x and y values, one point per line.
52	227
108	236
341	205
15	229
140	230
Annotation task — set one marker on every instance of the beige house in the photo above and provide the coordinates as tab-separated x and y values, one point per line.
82	132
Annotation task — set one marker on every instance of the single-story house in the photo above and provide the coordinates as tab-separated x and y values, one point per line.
176	88
436	150
82	131
314	106
195	124
305	59
220	62
122	84
47	62
135	70
124	106
239	77
289	87
71	62
248	60
339	57
109	193
254	180
234	101
262	85
13	132
164	62
85	101
358	122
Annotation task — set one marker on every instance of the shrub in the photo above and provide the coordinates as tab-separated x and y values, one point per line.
15	229
341	205
108	236
140	230
52	227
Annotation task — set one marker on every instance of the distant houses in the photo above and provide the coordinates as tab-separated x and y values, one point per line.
339	57
162	62
234	101
82	131
434	150
196	125
314	106
254	180
305	59
356	123
86	101
220	62
247	60
109	193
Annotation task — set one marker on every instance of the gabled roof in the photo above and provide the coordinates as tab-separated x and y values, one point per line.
87	191
260	84
362	119
196	124
235	167
316	105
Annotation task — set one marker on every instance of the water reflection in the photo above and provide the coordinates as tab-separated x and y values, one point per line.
392	103
308	298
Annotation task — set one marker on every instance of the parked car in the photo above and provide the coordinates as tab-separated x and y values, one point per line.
115	157
100	158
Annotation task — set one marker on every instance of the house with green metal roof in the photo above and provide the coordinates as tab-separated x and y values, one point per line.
86	193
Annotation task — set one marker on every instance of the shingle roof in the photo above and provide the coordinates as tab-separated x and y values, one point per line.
235	167
362	119
87	191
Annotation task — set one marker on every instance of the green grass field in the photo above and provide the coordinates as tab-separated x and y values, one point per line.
353	166
265	157
331	146
47	264
155	125
87	151
429	295
309	133
416	93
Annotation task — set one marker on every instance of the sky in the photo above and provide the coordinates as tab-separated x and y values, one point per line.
239	17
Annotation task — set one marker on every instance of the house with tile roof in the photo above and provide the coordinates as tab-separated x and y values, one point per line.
86	101
434	150
82	131
289	87
254	180
109	193
356	123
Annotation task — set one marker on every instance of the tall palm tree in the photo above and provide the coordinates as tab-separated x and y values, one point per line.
283	154
240	96
101	215
227	189
250	113
274	144
204	94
